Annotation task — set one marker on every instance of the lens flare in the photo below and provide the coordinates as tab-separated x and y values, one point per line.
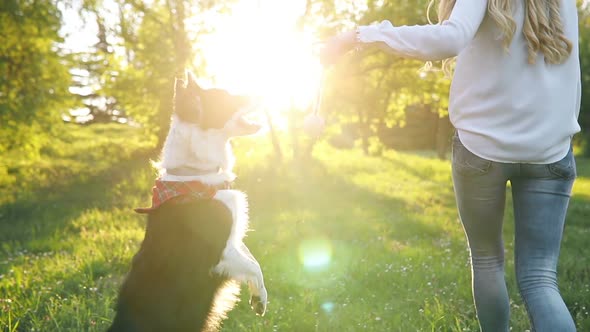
328	307
315	254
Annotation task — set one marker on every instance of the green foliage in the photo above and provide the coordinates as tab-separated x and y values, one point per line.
585	64
145	85
33	79
158	47
372	90
152	43
368	91
396	253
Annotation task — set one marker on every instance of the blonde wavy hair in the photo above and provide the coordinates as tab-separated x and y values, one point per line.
543	28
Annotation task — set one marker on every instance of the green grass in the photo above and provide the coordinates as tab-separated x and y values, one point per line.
346	242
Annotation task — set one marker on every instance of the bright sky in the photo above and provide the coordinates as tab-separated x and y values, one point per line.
79	32
256	50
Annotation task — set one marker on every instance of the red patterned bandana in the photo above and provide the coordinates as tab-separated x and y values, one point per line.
179	191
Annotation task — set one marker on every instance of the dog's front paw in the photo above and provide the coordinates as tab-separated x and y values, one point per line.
258	302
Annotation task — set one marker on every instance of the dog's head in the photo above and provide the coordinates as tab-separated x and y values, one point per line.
204	121
212	109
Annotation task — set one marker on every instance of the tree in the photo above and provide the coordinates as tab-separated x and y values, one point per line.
584	19
373	91
33	78
94	69
157	47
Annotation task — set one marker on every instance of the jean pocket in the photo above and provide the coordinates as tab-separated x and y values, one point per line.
466	162
565	168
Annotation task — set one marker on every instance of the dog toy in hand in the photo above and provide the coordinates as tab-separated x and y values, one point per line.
314	124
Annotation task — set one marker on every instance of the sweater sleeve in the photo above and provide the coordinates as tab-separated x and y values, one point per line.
429	42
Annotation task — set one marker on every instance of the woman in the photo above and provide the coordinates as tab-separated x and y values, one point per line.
514	101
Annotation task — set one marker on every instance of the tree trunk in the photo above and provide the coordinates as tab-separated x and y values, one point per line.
274	138
364	130
293	131
177	16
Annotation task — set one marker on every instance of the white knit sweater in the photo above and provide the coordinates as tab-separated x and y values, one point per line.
504	109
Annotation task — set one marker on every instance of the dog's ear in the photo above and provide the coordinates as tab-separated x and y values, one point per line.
192	82
178	84
187	102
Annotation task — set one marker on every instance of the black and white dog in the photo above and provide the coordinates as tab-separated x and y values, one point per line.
184	277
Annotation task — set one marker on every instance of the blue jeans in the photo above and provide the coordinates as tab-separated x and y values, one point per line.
541	195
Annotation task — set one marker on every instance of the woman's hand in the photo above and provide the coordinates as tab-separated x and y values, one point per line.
337	46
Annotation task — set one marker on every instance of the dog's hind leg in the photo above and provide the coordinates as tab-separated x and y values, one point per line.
239	264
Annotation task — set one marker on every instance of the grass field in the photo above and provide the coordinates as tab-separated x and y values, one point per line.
346	242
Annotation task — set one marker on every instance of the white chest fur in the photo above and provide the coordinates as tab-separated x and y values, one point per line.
236	260
188	146
237	202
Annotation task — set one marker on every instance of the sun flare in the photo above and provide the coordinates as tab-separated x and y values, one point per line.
257	50
315	254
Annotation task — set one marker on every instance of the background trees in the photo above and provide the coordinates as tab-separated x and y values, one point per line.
584	136
372	99
33	78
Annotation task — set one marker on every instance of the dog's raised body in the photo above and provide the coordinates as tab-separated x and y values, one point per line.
184	276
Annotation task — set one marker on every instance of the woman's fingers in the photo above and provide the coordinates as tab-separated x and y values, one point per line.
337	46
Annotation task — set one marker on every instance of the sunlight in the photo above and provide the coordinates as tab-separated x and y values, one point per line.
257	50
315	254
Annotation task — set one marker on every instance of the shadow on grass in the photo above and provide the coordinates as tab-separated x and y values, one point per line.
310	192
43	212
